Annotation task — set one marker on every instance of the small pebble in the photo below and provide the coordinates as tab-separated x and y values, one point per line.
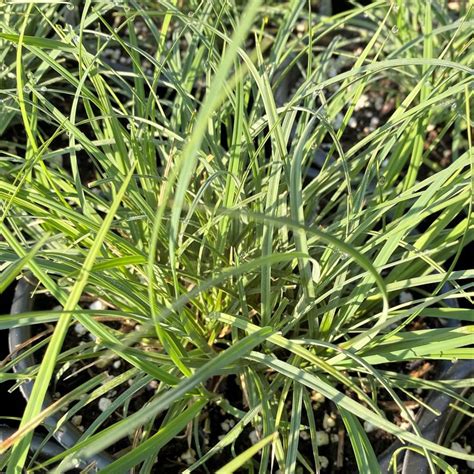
378	103
304	435
324	461
328	422
458	448
189	456
117	364
369	427
362	102
253	436
334	438
301	27
322	438
80	330
76	420
317	397
406	297
374	122
104	403
97	305
225	425
352	122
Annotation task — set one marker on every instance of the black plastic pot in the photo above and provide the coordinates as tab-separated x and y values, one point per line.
67	434
48	448
432	427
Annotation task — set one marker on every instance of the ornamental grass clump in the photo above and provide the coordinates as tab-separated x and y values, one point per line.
273	207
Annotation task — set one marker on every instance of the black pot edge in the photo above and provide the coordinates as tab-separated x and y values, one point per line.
67	435
431	426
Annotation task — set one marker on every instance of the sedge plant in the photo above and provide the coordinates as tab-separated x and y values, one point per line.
201	169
